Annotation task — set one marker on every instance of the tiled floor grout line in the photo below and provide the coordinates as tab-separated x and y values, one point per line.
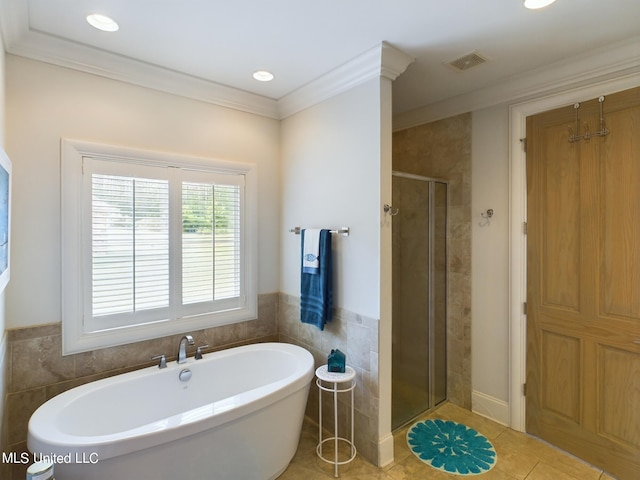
532	469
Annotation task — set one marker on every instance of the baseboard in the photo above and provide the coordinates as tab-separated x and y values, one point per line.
490	407
385	450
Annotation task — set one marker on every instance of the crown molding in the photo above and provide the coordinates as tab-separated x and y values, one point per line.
98	62
393	61
621	59
383	60
22	41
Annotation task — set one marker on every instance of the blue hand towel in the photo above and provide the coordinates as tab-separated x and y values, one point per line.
316	290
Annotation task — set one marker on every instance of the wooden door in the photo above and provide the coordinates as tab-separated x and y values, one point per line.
583	283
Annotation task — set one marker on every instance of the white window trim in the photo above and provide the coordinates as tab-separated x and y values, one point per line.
74	337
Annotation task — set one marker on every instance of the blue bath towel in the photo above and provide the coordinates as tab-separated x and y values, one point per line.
316	289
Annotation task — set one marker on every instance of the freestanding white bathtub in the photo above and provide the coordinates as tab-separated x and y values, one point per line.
238	418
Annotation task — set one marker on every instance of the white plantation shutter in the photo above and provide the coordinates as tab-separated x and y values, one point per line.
227	200
198	247
130	244
153	244
210	242
165	243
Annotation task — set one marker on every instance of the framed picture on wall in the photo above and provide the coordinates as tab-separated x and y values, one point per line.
5	218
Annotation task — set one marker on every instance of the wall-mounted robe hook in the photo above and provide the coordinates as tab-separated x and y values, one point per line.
487	214
389	209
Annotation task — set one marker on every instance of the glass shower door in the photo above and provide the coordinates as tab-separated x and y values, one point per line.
438	338
419	297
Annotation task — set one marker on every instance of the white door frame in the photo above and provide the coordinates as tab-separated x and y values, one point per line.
518	114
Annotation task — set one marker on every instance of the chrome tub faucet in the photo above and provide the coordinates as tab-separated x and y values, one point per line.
182	350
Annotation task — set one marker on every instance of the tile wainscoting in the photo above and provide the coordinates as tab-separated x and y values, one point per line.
357	337
36	370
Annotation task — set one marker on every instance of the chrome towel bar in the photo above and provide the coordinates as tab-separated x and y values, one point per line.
344	231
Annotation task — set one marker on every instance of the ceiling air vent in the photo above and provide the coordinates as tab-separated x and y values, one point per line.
466	61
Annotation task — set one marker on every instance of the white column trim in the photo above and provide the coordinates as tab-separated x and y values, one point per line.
383	60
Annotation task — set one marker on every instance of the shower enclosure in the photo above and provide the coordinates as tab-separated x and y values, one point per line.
419	369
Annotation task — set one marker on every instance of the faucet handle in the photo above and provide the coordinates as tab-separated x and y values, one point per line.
199	351
163	361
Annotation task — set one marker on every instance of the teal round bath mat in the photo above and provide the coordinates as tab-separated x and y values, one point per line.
451	447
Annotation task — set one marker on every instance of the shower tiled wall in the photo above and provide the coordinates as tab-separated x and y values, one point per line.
37	371
442	150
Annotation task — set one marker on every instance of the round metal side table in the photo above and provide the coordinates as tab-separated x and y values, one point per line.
336	383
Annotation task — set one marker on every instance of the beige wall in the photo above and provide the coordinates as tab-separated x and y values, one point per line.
331	175
46	103
490	264
331	178
442	150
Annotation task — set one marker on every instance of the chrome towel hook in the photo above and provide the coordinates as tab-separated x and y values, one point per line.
575	136
389	209
488	214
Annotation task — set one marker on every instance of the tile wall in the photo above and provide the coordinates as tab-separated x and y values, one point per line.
357	337
36	370
442	150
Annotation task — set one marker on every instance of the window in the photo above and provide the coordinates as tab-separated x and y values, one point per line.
153	245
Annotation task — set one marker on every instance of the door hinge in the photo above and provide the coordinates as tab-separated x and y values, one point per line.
524	227
524	389
524	308
524	144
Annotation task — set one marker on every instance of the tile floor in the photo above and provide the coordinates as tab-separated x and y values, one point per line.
520	457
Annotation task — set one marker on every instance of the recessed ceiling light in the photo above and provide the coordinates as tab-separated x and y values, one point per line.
263	76
102	22
535	4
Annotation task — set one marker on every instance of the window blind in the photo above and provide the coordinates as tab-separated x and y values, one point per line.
210	242
153	244
148	258
130	244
